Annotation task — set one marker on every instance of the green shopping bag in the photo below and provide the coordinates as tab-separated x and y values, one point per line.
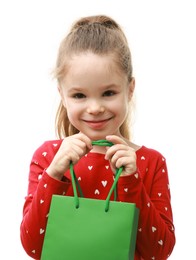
90	229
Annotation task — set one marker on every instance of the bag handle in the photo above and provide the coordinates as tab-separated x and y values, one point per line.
76	184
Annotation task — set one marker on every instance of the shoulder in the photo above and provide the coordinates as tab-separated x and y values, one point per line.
48	148
150	152
50	144
150	156
146	152
151	161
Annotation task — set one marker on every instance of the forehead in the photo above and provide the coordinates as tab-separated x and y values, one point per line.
94	66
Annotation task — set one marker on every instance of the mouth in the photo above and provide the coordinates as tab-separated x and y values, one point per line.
97	124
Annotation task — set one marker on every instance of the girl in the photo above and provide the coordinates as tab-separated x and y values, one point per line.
95	82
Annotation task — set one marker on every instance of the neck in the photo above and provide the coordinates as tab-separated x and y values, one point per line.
98	149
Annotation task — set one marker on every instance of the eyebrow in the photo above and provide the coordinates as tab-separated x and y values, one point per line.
80	89
75	89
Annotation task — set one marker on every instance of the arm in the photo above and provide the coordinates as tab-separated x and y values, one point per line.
150	191
36	207
144	181
46	177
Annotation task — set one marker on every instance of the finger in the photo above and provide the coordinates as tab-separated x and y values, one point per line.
85	139
116	149
115	139
129	166
120	157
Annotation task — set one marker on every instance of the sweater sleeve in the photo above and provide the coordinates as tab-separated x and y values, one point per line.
149	190
37	202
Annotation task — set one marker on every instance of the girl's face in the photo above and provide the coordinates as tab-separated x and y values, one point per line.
96	95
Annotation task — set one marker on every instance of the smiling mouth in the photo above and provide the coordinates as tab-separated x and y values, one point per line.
97	124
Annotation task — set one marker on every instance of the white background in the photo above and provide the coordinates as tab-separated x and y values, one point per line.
162	40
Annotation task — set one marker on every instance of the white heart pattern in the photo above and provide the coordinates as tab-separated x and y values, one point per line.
104	183
41	231
160	242
136	175
44	154
154	229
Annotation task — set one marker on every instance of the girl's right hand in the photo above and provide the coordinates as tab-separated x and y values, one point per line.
71	149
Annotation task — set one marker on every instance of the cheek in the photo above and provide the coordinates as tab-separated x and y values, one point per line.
119	109
121	105
73	110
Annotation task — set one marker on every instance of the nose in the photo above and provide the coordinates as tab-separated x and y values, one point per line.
95	107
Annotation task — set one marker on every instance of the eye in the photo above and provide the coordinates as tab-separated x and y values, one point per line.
79	96
109	93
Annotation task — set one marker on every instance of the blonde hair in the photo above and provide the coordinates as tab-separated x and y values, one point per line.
100	35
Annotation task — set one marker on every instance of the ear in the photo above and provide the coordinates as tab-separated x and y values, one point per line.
131	88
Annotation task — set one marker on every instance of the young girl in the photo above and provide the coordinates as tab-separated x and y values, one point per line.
96	85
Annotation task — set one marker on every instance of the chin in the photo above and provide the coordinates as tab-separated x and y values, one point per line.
96	136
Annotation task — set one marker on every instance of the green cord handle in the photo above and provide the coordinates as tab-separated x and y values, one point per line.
76	185
113	188
102	143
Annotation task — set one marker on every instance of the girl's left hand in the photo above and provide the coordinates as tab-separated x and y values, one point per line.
121	154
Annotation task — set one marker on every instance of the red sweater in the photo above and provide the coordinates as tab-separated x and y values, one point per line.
148	188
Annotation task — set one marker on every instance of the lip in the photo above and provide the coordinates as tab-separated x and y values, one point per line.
97	124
